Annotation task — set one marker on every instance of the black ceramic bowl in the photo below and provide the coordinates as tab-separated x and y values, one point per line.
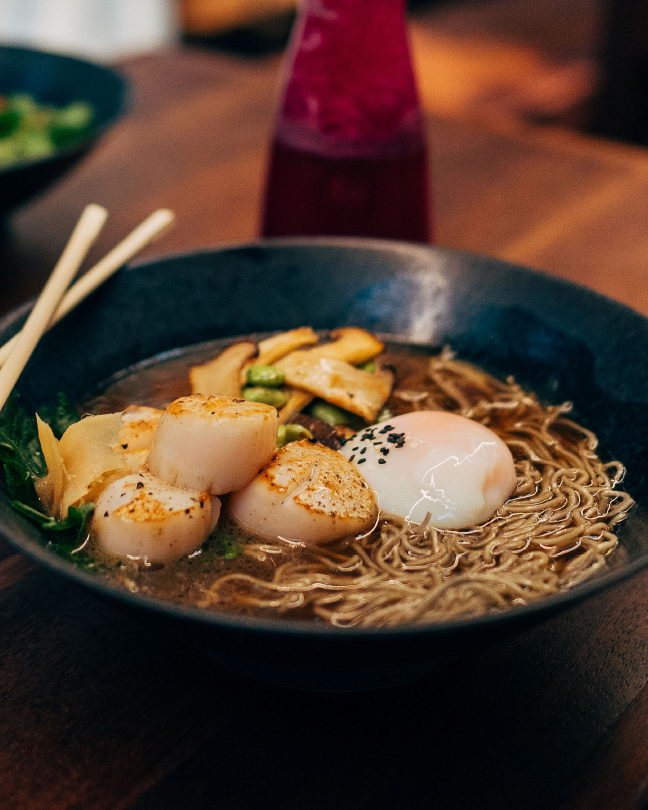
56	79
564	341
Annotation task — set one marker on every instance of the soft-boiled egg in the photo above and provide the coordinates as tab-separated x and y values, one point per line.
141	517
209	443
308	494
435	462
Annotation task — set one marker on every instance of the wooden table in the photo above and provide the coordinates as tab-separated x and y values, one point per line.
97	713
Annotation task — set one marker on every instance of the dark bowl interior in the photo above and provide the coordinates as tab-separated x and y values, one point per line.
564	341
56	79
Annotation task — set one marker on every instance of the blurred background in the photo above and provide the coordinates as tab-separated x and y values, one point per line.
580	64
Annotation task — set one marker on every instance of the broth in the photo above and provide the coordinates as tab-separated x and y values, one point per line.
556	529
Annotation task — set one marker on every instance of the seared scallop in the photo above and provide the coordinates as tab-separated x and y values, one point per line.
216	444
138	426
141	517
309	494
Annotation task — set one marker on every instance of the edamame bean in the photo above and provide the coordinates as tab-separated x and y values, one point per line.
269	396
292	433
369	366
333	415
265	375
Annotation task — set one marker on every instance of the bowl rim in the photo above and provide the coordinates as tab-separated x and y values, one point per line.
122	106
282	627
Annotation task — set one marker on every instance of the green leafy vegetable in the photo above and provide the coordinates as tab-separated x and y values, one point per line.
60	415
72	529
68	535
20	453
22	462
222	544
227	548
31	130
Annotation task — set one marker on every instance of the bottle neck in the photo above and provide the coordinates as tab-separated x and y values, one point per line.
350	86
343	14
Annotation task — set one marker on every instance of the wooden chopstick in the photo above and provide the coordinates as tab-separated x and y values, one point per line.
84	234
151	228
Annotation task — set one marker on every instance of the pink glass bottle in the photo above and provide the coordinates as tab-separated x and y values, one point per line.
348	156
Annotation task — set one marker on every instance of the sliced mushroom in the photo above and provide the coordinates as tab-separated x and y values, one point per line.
326	434
297	401
351	344
357	391
221	377
273	348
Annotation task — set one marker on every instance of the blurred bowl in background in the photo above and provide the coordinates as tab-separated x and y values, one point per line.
58	80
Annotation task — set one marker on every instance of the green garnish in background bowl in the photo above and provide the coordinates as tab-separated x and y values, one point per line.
30	130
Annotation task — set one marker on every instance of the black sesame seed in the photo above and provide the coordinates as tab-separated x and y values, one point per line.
105	514
361	460
352	457
139	485
382	461
363	451
124	447
384	451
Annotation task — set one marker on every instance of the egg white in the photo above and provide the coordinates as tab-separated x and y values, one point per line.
434	463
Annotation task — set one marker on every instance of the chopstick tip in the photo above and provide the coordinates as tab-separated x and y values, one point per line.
95	211
165	214
159	221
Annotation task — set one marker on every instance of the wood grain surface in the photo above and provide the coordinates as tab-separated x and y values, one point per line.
100	712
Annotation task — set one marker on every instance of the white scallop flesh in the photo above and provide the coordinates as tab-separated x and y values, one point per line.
141	517
308	494
216	444
138	426
437	463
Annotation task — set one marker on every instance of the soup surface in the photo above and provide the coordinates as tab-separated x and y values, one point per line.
555	530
